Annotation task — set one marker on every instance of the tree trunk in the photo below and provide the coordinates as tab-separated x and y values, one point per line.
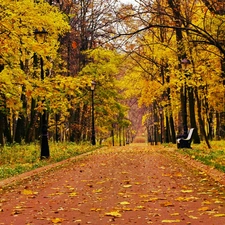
173	134
7	125
2	142
218	126
74	124
210	125
200	120
112	134
196	138
222	114
170	129
176	8
167	130
1	118
20	125
120	141
31	126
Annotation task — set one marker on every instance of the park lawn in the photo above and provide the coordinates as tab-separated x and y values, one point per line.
17	159
214	157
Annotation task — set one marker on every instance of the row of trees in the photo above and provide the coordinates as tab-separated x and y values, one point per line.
55	75
21	88
179	63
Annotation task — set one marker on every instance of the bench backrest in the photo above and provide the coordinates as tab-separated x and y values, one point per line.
190	133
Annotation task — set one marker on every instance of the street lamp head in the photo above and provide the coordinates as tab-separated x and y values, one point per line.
40	35
93	84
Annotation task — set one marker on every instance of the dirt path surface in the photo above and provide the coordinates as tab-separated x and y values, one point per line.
117	186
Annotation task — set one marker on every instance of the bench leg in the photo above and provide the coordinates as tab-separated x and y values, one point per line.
185	144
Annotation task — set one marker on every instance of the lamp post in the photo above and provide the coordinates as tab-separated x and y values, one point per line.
112	133
161	124
185	62
41	38
93	141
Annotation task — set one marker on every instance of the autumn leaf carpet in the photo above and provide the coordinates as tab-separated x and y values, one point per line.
118	185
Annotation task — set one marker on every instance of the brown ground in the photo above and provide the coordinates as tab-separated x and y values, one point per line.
121	185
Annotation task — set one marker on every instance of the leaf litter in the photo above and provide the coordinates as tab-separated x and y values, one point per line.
139	185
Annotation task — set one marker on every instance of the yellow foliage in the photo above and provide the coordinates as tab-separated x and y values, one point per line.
19	20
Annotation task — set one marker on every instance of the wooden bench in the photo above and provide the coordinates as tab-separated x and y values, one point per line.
185	142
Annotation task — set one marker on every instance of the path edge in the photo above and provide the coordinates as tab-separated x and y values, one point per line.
215	174
11	181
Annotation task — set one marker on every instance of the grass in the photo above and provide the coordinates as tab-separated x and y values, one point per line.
17	159
214	157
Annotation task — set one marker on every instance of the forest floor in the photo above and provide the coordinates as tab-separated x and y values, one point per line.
134	184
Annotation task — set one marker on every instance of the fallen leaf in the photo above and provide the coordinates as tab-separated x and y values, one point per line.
144	196
55	194
186	191
204	209
178	175
61	209
206	202
17	211
124	203
124	195
71	188
95	209
170	221
193	217
124	172
140	207
127	209
166	204
97	191
29	192
218	202
114	214
152	199
101	182
75	209
185	199
127	186
204	179
73	194
57	220
166	175
219	215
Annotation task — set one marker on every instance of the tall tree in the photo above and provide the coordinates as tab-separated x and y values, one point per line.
18	22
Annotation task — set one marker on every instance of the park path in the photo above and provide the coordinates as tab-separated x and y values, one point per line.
119	185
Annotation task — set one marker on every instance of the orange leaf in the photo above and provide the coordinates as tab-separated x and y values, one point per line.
74	45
